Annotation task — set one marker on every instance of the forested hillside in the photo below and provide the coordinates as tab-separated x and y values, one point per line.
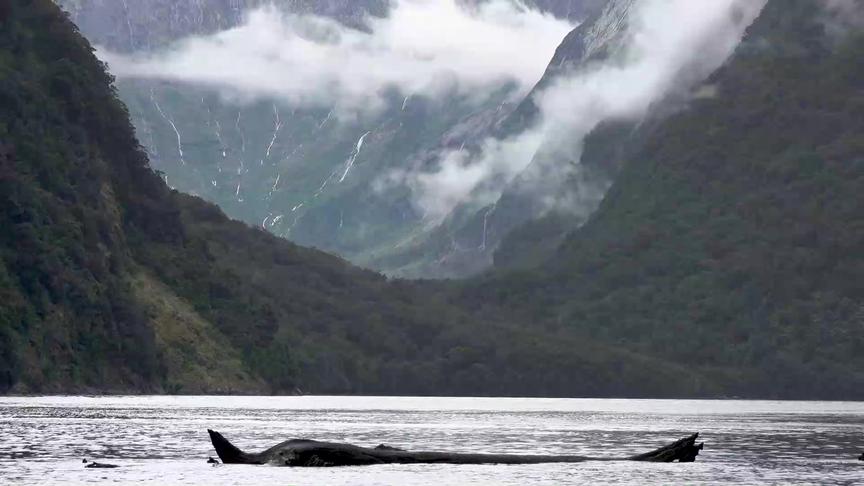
727	258
109	281
733	240
318	174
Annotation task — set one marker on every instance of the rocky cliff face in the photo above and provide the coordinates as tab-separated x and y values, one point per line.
467	241
300	173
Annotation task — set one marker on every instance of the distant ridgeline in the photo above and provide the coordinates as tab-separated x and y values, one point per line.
283	165
110	281
727	259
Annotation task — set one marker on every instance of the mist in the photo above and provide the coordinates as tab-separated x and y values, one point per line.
422	48
844	16
669	44
439	48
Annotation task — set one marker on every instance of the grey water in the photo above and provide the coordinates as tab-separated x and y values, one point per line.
159	440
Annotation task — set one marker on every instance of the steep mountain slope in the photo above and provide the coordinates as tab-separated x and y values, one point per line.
527	232
302	173
733	238
467	241
127	25
601	35
112	282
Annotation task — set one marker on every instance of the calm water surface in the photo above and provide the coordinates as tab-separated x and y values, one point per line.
163	440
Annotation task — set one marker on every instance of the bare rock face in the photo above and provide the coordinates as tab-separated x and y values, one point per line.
466	242
597	37
272	165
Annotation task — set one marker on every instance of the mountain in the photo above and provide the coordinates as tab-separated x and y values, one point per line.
300	172
520	227
600	36
527	230
574	9
127	25
725	259
132	25
467	242
733	237
112	282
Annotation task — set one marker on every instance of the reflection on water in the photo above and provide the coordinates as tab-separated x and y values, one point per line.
163	440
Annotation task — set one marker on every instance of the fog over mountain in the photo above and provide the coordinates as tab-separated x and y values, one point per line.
127	25
390	132
674	206
665	42
420	48
614	68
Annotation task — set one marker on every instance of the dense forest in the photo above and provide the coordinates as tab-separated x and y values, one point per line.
110	281
733	239
727	259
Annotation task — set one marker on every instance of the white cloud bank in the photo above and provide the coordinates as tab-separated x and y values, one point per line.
844	15
429	47
424	47
668	43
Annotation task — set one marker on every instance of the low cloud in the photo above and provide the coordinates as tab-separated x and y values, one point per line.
668	44
423	47
844	15
852	8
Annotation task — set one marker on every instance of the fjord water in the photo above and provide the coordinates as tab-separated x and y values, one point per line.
163	440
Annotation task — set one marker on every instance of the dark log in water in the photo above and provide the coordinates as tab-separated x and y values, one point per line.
98	465
310	453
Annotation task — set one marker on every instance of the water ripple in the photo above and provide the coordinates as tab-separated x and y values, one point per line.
163	440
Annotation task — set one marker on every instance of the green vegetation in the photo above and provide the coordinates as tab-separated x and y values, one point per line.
727	259
112	282
733	241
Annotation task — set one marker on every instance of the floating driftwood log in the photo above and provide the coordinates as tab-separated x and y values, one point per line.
311	453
